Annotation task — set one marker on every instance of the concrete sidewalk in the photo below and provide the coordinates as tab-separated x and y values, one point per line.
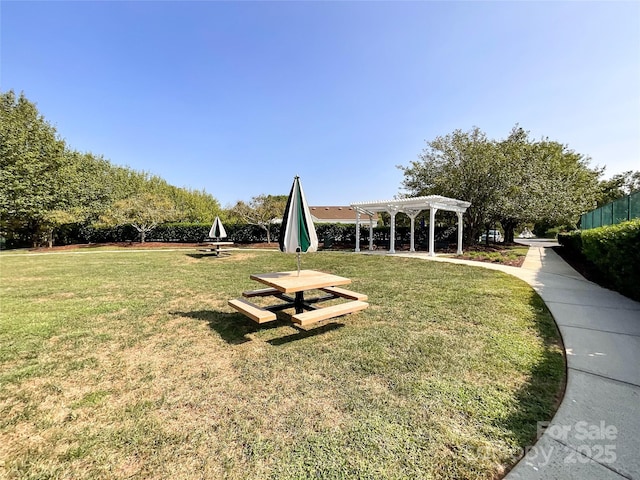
595	433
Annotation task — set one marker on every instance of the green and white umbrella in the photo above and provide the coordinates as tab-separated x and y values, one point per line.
297	233
217	230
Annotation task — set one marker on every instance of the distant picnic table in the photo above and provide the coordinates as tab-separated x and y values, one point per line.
216	248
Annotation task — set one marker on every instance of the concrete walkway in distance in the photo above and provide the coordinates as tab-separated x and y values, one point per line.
595	434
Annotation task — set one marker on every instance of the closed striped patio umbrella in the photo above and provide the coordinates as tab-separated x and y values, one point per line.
297	232
217	230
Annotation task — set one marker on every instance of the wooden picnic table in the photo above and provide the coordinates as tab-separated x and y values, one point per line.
213	247
280	284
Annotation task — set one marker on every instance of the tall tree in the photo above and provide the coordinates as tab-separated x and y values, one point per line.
54	219
462	165
570	186
31	161
85	193
195	205
144	212
261	210
520	196
618	186
44	184
512	181
548	183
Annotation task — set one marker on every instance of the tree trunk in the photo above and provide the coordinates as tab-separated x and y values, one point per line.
50	238
34	227
509	228
471	234
141	230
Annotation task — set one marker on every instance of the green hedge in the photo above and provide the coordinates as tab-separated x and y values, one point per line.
174	232
334	233
614	250
572	241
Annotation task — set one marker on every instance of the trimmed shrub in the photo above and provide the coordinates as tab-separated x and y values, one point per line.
572	241
179	232
120	233
343	234
615	250
243	233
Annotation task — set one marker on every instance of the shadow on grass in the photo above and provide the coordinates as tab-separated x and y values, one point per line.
234	328
302	333
540	398
203	255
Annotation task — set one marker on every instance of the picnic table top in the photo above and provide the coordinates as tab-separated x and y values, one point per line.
216	243
290	282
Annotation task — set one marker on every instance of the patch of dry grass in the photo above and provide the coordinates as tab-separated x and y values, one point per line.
133	366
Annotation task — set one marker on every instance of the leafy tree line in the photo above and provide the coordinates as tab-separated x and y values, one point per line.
513	181
44	184
618	186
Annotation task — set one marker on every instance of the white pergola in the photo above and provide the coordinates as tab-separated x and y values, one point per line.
410	207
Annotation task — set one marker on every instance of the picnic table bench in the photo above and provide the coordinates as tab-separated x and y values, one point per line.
214	247
282	284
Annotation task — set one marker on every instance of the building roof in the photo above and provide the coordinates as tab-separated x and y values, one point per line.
335	214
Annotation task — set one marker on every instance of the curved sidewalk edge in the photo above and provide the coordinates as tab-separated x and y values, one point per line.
595	434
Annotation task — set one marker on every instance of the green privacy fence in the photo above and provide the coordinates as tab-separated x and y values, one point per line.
620	210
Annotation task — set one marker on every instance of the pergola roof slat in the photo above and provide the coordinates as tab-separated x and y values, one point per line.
422	203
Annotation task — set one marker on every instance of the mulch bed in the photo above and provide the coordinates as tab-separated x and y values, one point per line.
135	245
138	245
491	249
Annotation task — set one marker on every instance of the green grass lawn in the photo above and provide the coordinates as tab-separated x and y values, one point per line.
131	365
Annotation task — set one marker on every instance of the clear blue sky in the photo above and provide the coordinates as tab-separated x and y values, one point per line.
238	97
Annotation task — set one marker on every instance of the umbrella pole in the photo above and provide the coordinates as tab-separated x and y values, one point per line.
298	253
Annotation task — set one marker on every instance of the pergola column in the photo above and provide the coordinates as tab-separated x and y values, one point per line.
370	233
432	229
412	243
412	214
392	240
460	224
357	230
